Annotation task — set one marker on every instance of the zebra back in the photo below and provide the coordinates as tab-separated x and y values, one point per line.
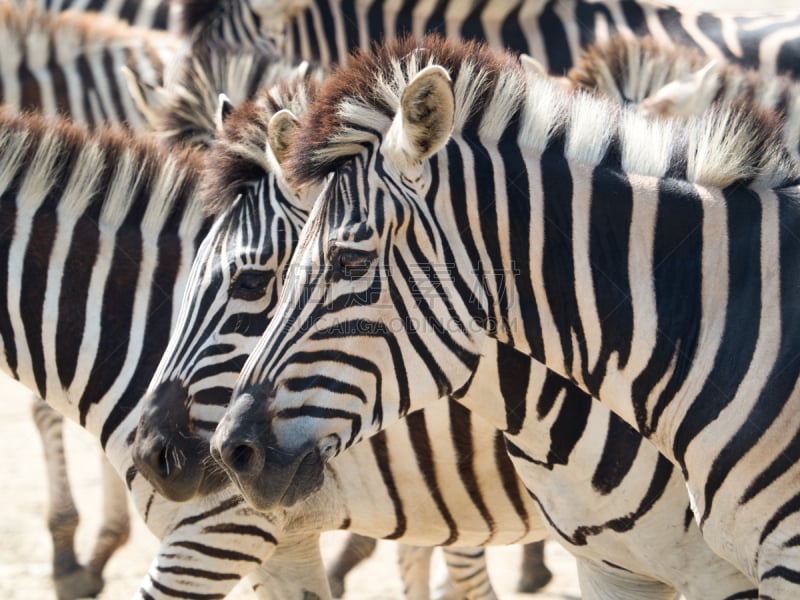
71	64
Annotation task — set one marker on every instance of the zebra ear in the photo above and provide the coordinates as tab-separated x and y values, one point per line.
686	96
531	65
424	122
281	126
224	109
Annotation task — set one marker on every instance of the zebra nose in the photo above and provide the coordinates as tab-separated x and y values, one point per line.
164	450
238	441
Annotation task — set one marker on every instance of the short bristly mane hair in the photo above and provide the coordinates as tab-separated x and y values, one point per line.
633	68
238	155
190	98
109	170
356	105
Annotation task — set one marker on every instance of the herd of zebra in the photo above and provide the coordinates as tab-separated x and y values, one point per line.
249	262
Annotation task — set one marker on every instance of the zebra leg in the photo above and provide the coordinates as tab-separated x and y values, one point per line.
356	549
534	573
116	526
70	579
294	571
415	570
467	575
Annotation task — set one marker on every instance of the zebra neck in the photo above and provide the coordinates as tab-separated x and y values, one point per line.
98	235
630	285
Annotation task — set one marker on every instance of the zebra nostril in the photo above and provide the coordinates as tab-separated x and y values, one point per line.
241	458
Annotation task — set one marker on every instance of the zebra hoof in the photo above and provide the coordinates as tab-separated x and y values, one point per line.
533	581
78	584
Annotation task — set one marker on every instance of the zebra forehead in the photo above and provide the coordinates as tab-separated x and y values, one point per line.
238	155
356	105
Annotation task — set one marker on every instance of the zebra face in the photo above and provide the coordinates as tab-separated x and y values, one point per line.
231	293
371	324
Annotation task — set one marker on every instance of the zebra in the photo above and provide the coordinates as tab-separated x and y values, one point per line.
71	579
413	258
146	14
107	222
551	31
64	64
71	64
681	81
232	282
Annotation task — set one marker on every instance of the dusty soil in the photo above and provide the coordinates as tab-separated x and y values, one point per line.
25	549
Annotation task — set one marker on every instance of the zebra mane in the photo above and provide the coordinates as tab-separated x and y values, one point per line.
238	156
493	93
110	172
33	37
190	98
631	69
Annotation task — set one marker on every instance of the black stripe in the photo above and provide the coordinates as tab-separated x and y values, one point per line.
510	479
423	453
559	57
514	370
381	453
619	453
181	594
741	320
216	552
35	266
199	573
461	435
558	272
677	274
609	231
217	510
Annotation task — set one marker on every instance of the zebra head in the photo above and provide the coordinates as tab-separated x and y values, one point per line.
231	292
373	321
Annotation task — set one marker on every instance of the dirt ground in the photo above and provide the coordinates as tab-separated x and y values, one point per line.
25	549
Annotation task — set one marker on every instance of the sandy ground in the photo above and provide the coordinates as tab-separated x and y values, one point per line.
25	548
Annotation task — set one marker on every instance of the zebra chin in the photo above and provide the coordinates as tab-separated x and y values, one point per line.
268	476
167	453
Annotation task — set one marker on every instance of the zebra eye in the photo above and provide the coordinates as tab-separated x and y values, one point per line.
250	285
352	264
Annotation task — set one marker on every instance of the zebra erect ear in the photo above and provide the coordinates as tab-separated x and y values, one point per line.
224	109
281	127
424	122
684	97
531	65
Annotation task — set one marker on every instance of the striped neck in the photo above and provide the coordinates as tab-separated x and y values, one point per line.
99	233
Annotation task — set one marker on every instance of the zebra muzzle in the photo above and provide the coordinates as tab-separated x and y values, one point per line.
165	451
268	476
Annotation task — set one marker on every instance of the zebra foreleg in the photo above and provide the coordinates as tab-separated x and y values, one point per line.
356	549
70	579
534	574
116	526
415	570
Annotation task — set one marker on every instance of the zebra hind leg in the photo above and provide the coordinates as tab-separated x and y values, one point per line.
70	579
356	549
534	574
